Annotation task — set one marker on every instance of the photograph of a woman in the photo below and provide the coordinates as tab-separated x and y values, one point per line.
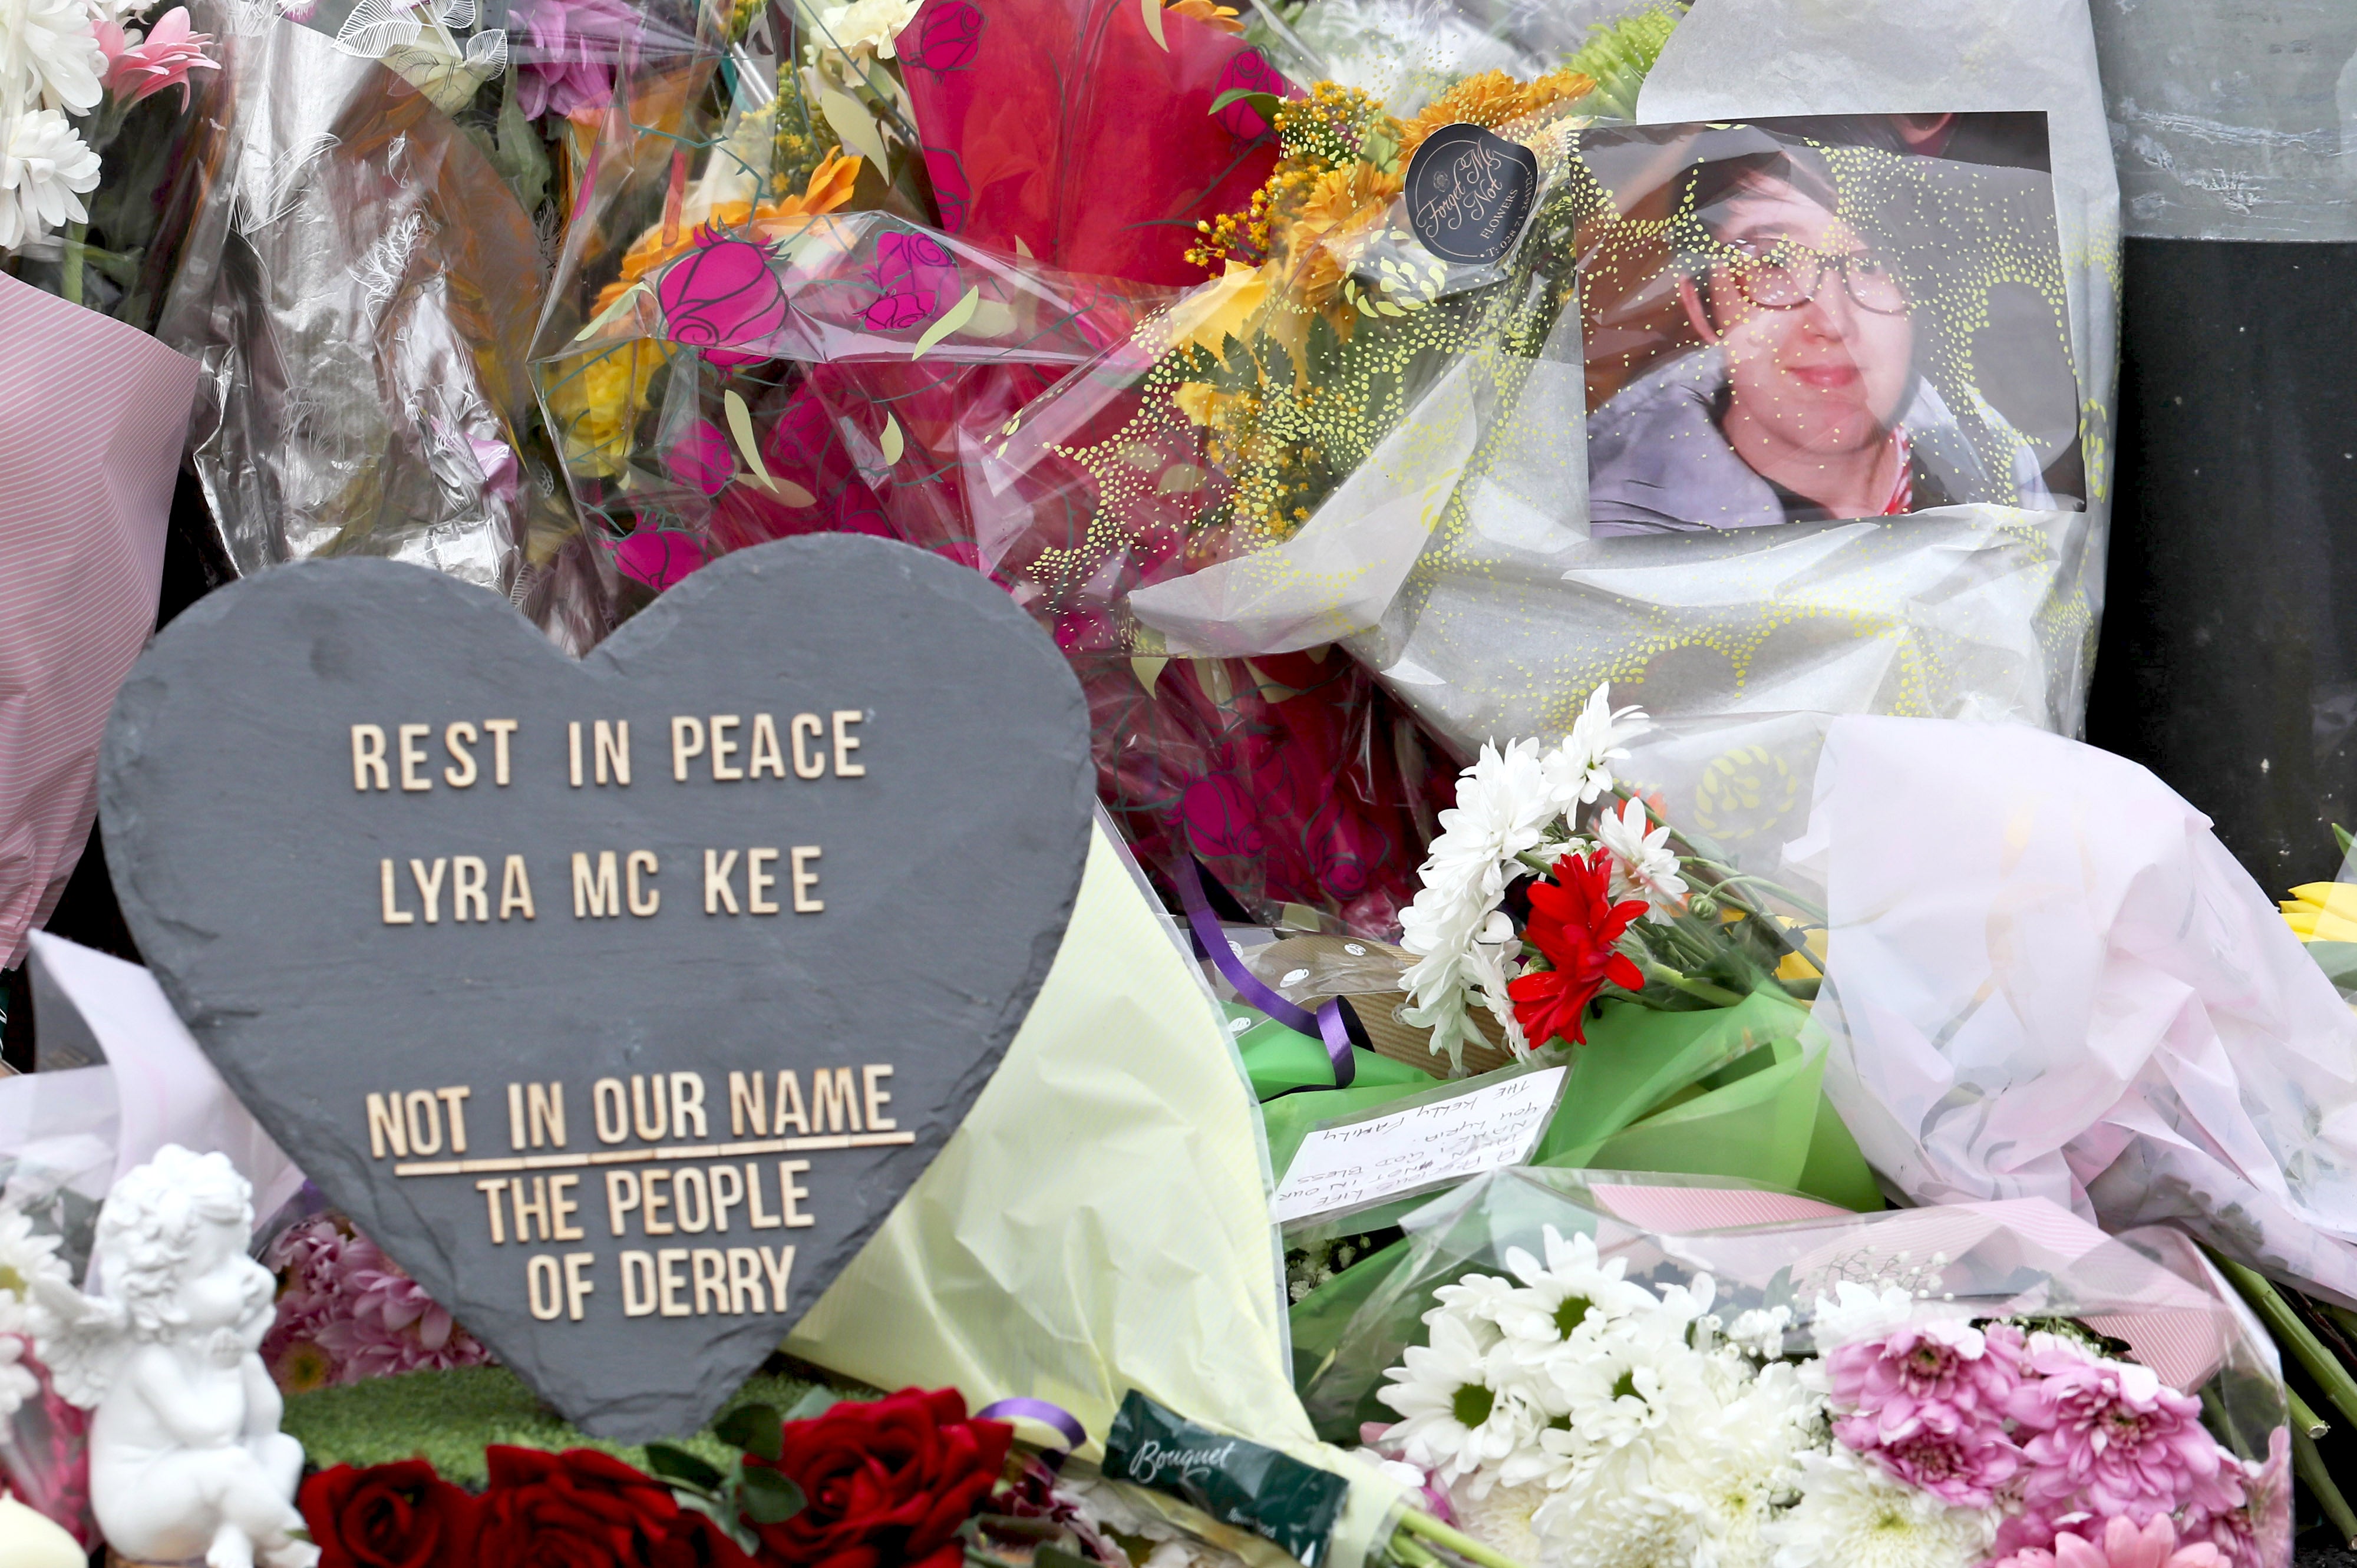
1783	362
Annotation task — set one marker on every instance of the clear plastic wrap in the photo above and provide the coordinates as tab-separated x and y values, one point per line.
1344	437
2147	1296
360	285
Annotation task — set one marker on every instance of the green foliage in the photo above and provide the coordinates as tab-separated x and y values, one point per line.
1619	55
449	1418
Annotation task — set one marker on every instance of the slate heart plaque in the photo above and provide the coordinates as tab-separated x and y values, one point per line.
620	999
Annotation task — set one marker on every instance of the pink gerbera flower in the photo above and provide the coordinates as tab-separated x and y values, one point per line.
140	67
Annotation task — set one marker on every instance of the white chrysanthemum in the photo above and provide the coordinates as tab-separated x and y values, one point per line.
1459	1414
1852	1515
1736	1457
1643	864
1621	1515
44	165
26	1255
1500	1518
1579	770
1502	808
866	26
17	1383
50	54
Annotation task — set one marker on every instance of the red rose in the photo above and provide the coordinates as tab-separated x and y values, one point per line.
389	1516
886	1485
695	1540
579	1508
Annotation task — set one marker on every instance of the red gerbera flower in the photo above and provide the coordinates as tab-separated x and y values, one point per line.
1574	924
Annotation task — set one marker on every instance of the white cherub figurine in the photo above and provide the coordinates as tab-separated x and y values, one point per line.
186	1457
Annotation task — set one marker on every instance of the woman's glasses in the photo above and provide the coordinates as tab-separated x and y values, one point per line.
1790	275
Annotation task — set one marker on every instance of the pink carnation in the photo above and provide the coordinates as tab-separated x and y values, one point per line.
2110	1438
2119	1544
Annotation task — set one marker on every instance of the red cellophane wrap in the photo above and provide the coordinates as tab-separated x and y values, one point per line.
1067	125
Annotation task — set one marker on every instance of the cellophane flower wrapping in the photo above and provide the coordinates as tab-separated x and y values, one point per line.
756	332
1344	436
2071	990
359	281
1583	1363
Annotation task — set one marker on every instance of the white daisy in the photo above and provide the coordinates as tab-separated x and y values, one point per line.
1643	864
49	55
44	166
1852	1515
1578	770
17	1383
1572	1287
1460	1412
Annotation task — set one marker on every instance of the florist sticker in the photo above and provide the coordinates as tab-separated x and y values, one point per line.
619	1000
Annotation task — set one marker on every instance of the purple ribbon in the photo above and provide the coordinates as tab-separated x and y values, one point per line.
1048	1415
1325	1024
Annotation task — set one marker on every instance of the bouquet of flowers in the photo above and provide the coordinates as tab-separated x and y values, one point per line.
1606	904
1607	1374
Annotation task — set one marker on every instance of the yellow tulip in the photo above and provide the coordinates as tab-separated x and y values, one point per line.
2323	911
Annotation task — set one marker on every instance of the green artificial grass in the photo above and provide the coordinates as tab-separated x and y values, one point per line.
450	1417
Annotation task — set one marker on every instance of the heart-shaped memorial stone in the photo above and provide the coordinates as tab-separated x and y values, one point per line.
618	999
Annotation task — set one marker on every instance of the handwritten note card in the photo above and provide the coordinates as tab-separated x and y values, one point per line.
1343	1167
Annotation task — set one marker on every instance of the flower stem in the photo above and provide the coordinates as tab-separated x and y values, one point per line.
1717	995
2304	1419
1463	1545
2294	1336
2310	1463
72	278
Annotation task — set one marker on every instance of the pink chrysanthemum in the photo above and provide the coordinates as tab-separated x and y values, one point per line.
1928	1402
1960	1461
2256	1533
2110	1438
346	1301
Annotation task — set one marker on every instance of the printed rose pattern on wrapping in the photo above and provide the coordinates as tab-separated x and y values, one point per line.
917	279
1246	70
719	294
951	193
943	40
